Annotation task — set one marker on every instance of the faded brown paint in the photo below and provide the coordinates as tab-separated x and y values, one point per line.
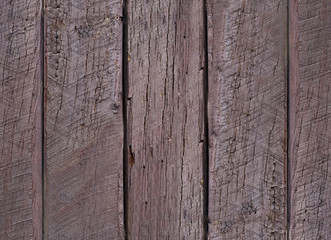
83	120
20	120
165	119
310	119
247	119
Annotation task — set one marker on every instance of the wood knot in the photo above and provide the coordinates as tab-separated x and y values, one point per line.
115	108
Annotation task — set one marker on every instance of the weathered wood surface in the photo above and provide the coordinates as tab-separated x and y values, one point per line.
83	120
165	119
310	119
247	119
20	120
251	130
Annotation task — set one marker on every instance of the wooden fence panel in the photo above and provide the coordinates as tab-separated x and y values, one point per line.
83	120
165	119
247	119
310	119
76	163
20	120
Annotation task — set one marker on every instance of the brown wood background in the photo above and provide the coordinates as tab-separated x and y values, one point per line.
174	119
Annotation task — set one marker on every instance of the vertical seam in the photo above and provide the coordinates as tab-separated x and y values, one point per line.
125	118
288	134
43	111
206	130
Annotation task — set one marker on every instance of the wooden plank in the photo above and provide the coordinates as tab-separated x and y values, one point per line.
20	120
310	119
83	117
247	119
165	119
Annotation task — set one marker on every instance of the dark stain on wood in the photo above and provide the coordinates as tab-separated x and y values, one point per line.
131	156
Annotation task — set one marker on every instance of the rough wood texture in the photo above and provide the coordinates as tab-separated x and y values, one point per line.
247	119
165	119
20	120
310	119
84	125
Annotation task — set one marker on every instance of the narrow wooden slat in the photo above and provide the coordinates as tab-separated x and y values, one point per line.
165	119
83	120
247	119
310	119
20	120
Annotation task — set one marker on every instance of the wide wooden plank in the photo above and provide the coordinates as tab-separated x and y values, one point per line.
310	119
247	119
83	120
165	119
20	120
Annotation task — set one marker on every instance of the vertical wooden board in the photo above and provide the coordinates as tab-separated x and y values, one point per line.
247	119
165	119
83	120
20	120
310	119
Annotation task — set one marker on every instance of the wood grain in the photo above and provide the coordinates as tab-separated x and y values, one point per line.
310	119
20	120
83	120
165	119
247	119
